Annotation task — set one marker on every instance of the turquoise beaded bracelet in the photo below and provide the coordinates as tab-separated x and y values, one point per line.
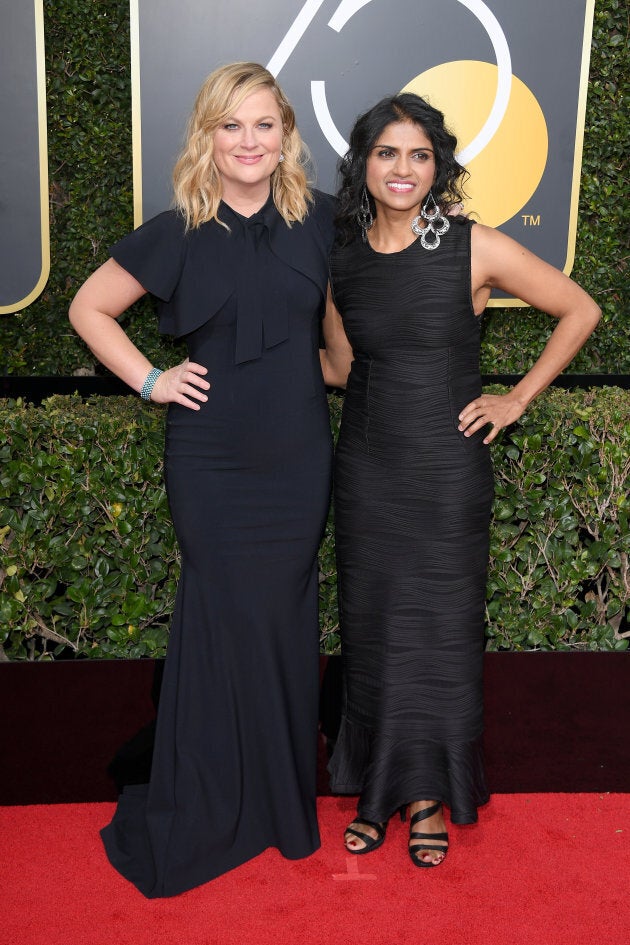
149	383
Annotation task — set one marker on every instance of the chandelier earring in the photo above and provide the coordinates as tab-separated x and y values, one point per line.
364	216
436	224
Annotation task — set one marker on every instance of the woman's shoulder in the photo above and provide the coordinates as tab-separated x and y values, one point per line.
168	221
323	207
165	229
154	252
345	249
323	201
460	229
322	212
487	238
460	217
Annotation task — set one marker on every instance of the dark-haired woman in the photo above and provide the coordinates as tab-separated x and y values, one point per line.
413	477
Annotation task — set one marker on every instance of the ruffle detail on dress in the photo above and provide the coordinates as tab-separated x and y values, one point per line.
389	770
194	273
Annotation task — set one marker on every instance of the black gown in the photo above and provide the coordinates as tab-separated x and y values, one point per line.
248	483
412	508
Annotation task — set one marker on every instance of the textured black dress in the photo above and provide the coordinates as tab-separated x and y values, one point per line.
412	508
248	482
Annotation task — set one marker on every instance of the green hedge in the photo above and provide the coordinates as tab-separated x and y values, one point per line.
88	562
90	168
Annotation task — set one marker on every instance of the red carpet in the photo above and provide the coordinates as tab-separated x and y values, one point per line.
541	869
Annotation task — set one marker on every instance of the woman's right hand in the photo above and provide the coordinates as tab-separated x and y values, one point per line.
94	311
183	384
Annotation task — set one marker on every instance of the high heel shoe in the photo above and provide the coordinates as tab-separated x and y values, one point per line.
417	849
371	843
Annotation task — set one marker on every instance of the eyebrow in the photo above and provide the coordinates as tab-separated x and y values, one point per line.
390	147
262	118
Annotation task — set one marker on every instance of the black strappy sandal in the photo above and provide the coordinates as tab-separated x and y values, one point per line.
371	843
418	848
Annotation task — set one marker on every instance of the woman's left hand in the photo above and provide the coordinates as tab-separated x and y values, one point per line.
496	410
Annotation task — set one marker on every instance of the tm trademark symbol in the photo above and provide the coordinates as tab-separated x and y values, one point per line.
530	220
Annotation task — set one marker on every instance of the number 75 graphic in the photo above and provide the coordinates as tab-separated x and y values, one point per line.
344	12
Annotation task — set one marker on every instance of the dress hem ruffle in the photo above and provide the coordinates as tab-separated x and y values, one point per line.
388	771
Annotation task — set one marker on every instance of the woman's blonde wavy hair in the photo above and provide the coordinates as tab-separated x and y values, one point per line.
196	180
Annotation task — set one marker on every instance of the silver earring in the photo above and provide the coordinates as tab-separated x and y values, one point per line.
364	216
281	158
436	223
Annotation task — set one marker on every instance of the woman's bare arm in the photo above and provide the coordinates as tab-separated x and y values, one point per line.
337	356
94	311
500	262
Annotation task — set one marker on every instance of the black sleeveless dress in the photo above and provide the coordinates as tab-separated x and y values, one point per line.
412	509
248	479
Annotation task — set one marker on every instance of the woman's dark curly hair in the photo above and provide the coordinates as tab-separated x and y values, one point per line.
449	174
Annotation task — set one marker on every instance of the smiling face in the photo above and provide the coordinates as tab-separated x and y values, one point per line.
400	169
246	147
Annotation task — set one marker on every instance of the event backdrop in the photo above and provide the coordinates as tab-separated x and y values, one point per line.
24	244
510	77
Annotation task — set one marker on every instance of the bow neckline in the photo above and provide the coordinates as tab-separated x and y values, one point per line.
262	318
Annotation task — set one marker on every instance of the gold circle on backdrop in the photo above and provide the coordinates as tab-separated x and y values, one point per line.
505	174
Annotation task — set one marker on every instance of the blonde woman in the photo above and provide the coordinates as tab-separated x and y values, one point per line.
238	268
